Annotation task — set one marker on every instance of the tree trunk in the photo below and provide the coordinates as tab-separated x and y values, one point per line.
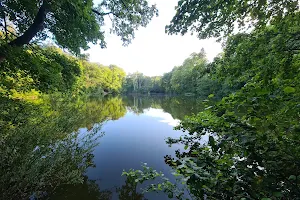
31	32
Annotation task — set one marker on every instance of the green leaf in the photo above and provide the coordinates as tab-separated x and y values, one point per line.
211	96
289	90
292	177
194	152
186	147
211	141
159	187
278	194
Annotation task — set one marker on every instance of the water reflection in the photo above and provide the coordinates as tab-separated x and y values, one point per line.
40	148
47	145
163	116
177	106
129	191
89	190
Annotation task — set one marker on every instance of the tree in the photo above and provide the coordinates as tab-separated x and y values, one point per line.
194	76
214	18
99	78
166	82
118	76
72	24
50	69
139	83
252	150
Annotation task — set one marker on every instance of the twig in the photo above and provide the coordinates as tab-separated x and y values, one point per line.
5	26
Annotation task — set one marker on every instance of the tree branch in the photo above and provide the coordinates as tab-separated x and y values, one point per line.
103	14
5	26
31	32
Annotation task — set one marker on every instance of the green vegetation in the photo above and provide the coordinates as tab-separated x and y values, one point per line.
71	24
219	18
34	70
139	83
47	95
45	100
107	79
194	77
252	150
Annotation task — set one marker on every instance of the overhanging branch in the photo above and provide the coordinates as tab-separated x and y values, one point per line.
35	27
103	14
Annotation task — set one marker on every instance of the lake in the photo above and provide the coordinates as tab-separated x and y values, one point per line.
121	133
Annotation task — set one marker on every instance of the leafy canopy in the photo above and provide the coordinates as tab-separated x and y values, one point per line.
74	24
212	18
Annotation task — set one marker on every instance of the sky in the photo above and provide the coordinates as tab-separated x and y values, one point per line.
153	52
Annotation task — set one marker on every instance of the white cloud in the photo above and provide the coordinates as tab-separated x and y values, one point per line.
165	117
153	52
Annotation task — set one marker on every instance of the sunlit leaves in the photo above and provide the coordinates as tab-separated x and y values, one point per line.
289	90
48	68
98	79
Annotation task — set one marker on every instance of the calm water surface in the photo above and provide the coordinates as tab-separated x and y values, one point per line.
122	132
139	136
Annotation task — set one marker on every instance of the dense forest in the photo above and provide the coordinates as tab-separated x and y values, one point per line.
194	77
48	69
253	150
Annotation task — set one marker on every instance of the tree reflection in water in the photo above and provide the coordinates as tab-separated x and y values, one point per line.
41	144
44	153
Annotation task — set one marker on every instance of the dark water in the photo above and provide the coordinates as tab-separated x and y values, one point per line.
121	133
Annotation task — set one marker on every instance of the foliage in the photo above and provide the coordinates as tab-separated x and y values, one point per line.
98	77
252	149
214	18
49	69
184	77
73	24
138	83
136	177
194	77
246	146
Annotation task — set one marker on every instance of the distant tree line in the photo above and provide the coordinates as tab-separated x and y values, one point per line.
194	77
